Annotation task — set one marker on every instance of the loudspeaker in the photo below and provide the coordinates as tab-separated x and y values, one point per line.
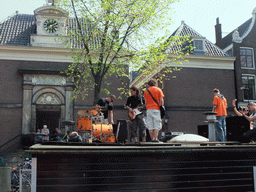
202	130
122	132
68	122
148	138
236	127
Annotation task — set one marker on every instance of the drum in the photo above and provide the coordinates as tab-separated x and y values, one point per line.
94	112
107	132
84	123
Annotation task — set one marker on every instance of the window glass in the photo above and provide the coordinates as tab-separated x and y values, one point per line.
242	51
243	61
246	57
248	87
198	44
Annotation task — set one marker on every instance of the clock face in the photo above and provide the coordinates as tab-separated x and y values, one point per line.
48	98
51	25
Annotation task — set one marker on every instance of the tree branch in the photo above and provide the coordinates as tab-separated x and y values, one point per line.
83	40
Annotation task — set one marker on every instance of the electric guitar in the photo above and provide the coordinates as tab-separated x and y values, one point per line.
134	112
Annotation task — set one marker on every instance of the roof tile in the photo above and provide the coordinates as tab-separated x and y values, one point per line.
184	30
17	30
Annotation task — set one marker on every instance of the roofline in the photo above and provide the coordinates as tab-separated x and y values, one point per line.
179	29
227	63
251	26
203	57
246	33
228	47
24	53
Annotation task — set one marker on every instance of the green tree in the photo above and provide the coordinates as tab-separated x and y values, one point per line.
112	35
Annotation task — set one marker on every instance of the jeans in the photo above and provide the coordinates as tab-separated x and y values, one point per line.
138	126
221	128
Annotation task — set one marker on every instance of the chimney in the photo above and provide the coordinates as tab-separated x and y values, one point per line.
218	33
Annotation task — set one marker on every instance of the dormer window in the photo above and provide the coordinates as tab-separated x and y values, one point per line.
199	46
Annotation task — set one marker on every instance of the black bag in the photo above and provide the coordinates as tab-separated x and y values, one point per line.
162	111
162	108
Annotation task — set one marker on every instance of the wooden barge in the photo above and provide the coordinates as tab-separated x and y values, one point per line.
174	167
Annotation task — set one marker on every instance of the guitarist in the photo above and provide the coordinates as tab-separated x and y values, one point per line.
138	126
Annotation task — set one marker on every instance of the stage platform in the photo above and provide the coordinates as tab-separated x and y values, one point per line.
194	166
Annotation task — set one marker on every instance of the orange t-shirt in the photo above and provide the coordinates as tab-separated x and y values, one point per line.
157	94
221	106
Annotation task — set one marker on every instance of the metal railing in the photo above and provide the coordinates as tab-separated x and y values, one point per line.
9	144
21	176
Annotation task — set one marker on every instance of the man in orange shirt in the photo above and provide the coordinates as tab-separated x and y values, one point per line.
154	122
220	107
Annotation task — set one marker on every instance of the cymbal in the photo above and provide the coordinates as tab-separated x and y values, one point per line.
101	107
86	112
89	112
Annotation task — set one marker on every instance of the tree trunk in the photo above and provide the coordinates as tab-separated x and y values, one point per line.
97	87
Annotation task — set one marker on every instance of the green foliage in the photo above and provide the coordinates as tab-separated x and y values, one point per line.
111	36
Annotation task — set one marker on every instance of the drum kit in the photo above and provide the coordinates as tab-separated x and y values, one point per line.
92	128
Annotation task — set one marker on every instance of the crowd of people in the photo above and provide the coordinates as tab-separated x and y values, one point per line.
43	135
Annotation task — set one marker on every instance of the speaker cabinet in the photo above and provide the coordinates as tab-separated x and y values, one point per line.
202	130
121	134
236	127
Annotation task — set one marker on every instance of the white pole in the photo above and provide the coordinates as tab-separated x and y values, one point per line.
254	178
33	174
20	178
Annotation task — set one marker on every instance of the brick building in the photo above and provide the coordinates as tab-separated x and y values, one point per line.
188	92
241	44
33	92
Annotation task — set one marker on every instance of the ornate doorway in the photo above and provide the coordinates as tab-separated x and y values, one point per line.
49	118
47	96
49	109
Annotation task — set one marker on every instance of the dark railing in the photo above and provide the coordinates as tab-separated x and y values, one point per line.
28	140
9	144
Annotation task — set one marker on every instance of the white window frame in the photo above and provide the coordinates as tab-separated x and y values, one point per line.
199	39
251	75
253	63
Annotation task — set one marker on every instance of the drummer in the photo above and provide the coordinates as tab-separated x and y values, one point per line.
107	103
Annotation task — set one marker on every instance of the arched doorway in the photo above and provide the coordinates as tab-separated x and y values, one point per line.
51	118
46	95
49	109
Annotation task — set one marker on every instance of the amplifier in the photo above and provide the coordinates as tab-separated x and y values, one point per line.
236	127
122	131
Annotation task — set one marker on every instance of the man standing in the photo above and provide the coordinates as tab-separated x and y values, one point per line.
138	125
251	134
154	122
220	107
108	104
45	132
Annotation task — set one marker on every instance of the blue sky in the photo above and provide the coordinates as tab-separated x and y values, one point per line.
199	14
